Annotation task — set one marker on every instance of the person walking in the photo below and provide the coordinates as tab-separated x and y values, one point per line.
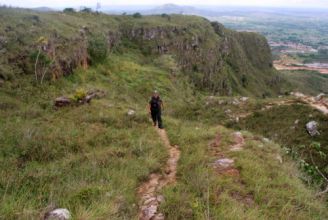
155	109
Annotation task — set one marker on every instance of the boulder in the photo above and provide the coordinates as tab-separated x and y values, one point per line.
58	214
312	128
62	101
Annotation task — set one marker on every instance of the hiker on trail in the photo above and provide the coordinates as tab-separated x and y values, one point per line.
155	109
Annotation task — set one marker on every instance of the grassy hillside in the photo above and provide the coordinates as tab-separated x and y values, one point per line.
215	59
287	125
91	158
307	82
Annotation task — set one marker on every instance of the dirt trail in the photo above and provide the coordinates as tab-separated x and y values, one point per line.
150	200
317	105
286	67
225	166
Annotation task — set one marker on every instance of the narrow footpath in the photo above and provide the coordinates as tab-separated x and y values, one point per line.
148	192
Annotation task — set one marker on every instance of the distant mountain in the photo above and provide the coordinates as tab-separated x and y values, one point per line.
43	9
179	9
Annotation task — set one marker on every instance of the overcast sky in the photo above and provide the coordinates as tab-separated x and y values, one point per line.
65	3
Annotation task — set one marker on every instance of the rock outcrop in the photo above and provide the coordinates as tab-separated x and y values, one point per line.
214	58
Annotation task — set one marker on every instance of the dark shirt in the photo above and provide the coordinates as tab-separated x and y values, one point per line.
155	104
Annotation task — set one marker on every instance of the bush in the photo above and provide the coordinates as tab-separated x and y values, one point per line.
86	10
69	10
137	15
80	94
97	49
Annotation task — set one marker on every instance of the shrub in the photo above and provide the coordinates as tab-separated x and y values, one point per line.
69	10
80	94
97	49
86	10
137	15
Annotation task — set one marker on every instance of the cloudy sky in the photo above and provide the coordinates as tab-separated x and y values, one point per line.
63	3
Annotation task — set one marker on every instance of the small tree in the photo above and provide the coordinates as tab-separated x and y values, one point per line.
69	10
137	15
86	10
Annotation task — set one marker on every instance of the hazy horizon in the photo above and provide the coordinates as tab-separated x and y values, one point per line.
126	3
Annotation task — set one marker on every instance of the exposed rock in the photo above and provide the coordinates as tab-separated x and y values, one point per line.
244	99
239	142
319	97
62	101
94	94
228	111
131	112
58	214
235	102
279	158
312	128
224	163
65	101
298	94
296	122
266	140
221	102
160	198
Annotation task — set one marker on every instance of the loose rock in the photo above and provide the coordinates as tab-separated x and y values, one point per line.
312	128
62	101
279	158
244	99
224	163
131	112
58	214
319	97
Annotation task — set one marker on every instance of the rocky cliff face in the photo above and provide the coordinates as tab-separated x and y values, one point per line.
215	59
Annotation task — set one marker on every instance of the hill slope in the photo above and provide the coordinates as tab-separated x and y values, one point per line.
91	158
214	58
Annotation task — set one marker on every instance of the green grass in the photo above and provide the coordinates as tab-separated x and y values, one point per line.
200	193
279	124
307	82
91	158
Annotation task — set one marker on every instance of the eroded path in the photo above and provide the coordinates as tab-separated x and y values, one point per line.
150	200
225	165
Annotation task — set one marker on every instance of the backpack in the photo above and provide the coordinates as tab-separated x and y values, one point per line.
155	104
